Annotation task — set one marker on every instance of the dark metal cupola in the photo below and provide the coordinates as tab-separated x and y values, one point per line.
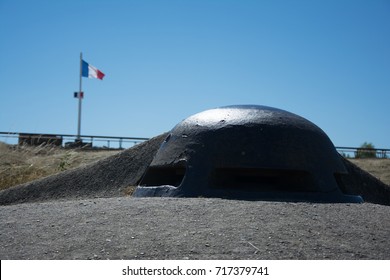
246	152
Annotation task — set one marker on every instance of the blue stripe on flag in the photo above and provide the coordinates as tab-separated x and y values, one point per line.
84	69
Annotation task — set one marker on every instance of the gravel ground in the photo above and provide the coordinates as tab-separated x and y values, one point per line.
196	228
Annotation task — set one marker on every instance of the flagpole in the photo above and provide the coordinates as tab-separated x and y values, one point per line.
80	97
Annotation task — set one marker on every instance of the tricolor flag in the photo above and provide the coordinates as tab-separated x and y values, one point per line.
78	94
91	72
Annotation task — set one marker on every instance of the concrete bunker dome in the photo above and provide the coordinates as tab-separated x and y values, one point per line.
246	152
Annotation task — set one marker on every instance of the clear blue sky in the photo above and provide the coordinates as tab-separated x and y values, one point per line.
328	61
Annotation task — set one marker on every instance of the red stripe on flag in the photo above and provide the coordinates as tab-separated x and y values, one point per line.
100	75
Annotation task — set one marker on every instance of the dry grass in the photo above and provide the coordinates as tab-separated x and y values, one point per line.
21	164
379	168
128	191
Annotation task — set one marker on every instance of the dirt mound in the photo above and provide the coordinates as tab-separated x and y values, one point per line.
364	184
378	167
113	176
105	178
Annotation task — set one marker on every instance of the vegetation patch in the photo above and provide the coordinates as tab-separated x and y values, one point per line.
22	164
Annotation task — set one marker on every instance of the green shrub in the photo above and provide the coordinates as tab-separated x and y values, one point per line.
366	150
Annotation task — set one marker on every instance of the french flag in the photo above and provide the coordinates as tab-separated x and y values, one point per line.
91	72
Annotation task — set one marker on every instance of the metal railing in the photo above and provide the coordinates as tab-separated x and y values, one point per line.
70	140
352	152
119	142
